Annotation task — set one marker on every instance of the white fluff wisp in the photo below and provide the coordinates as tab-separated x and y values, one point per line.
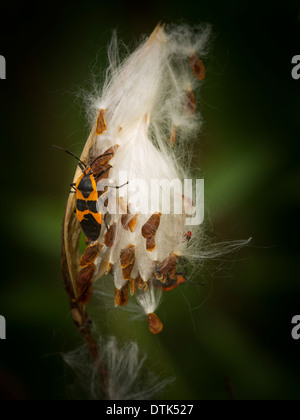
127	376
143	118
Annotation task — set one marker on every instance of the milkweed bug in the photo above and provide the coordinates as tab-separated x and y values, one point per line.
85	188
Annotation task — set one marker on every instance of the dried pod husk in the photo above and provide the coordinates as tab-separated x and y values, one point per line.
154	323
127	256
150	227
90	254
110	235
101	125
197	66
189	103
121	296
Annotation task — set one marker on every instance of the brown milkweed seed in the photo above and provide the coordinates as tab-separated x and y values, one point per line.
150	244
189	103
197	66
166	269
127	256
110	235
154	323
85	275
121	296
101	125
90	254
150	227
172	139
132	286
84	286
86	295
127	271
141	284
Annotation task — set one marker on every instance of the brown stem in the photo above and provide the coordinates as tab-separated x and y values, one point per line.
80	317
70	265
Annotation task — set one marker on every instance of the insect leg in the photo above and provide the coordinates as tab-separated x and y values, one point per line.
120	186
102	173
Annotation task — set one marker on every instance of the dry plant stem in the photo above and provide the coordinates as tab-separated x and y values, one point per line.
70	266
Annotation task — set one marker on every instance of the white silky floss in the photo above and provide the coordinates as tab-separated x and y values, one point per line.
144	99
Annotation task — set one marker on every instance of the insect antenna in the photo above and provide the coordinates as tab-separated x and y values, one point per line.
81	164
101	156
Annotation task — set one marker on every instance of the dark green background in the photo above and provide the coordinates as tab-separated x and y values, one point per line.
239	324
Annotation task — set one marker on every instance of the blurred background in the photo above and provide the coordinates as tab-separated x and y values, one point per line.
238	324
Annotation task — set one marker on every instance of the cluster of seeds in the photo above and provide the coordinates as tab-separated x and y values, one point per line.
126	246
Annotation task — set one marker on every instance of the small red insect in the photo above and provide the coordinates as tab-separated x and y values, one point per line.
188	236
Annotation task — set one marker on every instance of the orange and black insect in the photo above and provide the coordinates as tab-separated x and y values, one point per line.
87	210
